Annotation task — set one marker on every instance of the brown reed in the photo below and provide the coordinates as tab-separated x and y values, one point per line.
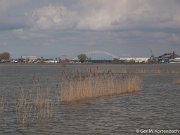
2	104
33	108
147	71
23	109
95	84
177	81
43	105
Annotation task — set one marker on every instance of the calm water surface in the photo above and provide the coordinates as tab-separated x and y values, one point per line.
156	106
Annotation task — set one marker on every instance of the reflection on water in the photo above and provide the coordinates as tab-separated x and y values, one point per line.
156	106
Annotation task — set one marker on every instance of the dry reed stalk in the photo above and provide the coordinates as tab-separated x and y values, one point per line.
95	85
2	104
156	71
177	81
131	85
43	105
123	70
147	71
23	109
174	72
141	71
31	109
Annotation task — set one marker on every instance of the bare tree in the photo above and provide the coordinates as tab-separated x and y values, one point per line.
82	57
5	56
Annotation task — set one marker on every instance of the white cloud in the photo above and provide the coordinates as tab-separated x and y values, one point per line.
53	17
122	14
109	15
101	14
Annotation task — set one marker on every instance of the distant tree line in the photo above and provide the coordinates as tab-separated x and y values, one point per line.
4	56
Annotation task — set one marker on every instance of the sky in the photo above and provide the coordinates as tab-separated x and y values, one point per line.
65	28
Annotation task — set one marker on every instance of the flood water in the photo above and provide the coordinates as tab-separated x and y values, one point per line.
155	106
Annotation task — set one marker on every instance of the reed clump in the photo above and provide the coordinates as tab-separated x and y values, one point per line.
24	108
43	105
33	108
95	84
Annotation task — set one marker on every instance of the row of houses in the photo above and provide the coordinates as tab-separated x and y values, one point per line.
34	59
164	58
136	60
169	58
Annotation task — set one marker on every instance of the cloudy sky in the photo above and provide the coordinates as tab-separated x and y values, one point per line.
54	28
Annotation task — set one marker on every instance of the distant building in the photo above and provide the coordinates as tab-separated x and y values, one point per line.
176	60
136	60
51	61
168	57
28	59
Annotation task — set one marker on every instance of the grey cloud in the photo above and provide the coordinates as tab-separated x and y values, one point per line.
10	15
12	23
109	15
7	4
121	14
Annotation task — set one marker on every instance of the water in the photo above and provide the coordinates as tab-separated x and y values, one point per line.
156	106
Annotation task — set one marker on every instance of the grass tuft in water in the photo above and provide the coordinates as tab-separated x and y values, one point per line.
33	108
